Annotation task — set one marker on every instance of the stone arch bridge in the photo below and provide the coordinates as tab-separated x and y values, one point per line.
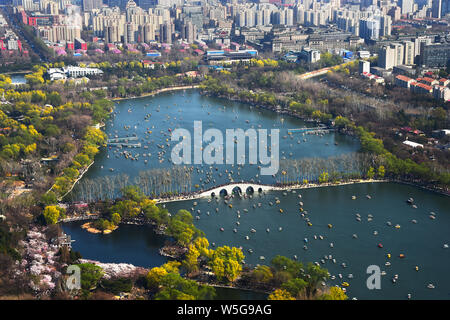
241	188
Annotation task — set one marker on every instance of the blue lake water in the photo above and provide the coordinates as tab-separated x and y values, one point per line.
421	243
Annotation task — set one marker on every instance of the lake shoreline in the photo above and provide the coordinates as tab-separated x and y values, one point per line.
168	89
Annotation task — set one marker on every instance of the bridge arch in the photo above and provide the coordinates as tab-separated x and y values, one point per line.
237	190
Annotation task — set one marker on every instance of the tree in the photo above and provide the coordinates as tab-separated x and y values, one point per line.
71	173
121	91
154	277
90	276
324	176
226	263
335	293
262	274
133	193
370	173
181	231
171	266
202	245
314	275
381	172
282	263
115	218
82	159
52	213
181	227
174	287
49	198
280	294
54	99
295	286
155	214
190	262
184	216
126	209
341	122
117	286
95	136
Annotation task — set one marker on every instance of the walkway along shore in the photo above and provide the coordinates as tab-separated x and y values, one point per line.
158	91
74	183
205	193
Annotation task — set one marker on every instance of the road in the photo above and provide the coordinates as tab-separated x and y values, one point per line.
13	23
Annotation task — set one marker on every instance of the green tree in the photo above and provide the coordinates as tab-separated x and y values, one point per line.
49	198
117	286
335	293
341	122
282	263
324	176
115	218
314	275
381	172
90	276
133	193
262	274
174	287
370	173
295	286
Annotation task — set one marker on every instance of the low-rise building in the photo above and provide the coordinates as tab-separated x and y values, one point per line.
309	55
408	71
413	144
364	54
444	82
441	133
76	72
428	81
72	72
421	88
403	81
441	92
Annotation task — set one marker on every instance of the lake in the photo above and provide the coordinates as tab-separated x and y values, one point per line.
18	78
152	119
421	242
355	243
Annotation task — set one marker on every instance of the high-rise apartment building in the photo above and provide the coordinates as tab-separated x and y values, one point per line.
407	6
391	55
408	52
89	5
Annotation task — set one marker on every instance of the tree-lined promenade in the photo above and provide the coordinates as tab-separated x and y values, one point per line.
176	183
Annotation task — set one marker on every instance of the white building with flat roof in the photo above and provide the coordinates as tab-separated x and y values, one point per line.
72	72
413	144
76	72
